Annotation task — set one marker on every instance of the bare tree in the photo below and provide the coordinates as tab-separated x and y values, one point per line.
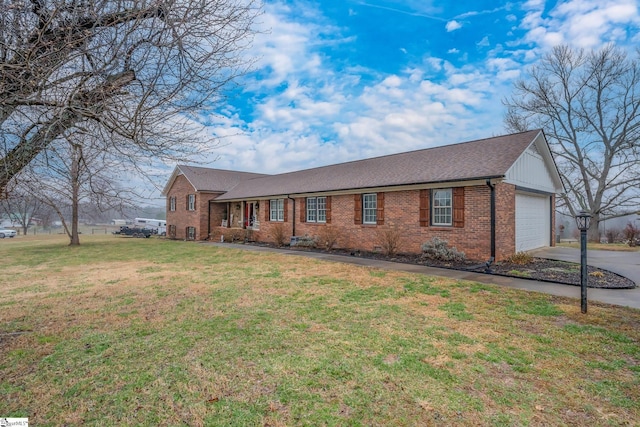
21	207
78	172
139	70
588	104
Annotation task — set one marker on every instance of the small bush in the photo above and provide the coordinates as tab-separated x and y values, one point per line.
631	234
520	258
328	237
438	249
279	235
233	235
389	239
613	235
307	242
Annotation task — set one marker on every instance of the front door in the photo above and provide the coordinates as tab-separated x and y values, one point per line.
249	214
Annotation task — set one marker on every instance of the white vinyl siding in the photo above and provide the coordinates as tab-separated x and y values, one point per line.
530	170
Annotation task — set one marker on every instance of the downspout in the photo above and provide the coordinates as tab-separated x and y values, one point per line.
492	188
209	221
294	214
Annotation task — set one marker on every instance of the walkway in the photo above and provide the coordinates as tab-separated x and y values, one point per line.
622	297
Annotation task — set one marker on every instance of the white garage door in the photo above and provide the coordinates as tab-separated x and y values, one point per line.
533	222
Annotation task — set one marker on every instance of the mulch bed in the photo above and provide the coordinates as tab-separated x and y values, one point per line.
541	269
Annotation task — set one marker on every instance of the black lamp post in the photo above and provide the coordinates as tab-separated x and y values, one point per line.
582	220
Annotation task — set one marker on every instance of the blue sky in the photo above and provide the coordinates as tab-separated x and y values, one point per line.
343	80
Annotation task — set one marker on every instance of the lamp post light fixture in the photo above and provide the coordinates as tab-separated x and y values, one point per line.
582	221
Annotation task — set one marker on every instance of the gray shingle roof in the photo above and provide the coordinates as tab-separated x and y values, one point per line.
484	158
215	180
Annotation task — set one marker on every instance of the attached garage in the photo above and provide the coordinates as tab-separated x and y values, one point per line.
533	221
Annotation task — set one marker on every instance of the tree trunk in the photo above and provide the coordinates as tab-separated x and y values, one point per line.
75	191
593	233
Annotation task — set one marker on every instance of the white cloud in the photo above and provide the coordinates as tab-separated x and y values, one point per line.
581	23
484	42
453	50
453	25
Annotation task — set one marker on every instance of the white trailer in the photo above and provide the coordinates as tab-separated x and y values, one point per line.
159	225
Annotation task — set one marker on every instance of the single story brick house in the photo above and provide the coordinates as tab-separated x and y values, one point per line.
489	198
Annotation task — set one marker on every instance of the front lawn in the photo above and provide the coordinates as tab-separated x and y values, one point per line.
153	332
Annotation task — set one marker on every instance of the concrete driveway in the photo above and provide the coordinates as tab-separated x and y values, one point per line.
626	264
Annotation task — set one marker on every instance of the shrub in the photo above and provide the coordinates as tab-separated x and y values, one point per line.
631	233
520	258
438	249
234	235
613	235
307	242
389	239
279	235
328	237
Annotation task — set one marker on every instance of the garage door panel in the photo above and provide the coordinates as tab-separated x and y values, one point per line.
533	222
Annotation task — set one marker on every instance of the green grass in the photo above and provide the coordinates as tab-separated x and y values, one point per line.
156	332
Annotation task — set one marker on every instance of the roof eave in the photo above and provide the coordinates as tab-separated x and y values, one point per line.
355	190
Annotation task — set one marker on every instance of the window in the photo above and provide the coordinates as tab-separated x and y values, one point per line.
316	209
191	233
172	204
442	212
276	210
369	208
172	231
191	202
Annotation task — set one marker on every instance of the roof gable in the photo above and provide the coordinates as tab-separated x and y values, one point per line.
535	168
208	179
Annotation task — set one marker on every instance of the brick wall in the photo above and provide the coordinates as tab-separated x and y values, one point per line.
182	218
505	220
402	211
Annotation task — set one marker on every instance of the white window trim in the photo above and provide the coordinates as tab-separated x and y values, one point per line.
191	202
434	207
373	209
316	210
278	210
172	203
194	233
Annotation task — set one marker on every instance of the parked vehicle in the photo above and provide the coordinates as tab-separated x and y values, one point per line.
134	231
159	226
7	233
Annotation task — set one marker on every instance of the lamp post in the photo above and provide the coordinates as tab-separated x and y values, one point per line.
582	220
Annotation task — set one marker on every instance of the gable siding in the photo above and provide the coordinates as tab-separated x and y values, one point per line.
531	171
